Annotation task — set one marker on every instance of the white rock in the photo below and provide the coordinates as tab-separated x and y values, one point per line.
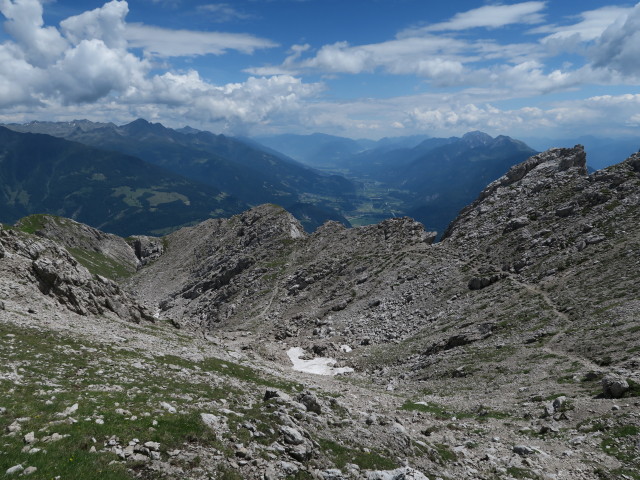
169	408
30	470
154	446
292	436
14	469
68	411
14	427
399	473
54	438
288	468
397	428
214	422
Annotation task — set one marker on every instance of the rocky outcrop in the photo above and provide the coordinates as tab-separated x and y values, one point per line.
539	170
147	249
45	268
78	237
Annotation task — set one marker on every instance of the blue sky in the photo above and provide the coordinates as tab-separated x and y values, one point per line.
348	67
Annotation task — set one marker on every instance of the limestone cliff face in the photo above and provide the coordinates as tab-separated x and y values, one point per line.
76	236
34	267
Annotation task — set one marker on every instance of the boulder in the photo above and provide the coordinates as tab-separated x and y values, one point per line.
614	386
291	435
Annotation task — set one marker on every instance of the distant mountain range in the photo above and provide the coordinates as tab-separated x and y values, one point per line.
361	182
429	179
115	192
329	151
240	170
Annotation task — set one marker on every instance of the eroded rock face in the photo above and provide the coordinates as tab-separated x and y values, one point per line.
74	235
48	269
147	249
222	270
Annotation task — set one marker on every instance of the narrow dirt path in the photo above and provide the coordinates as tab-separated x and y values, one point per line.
552	346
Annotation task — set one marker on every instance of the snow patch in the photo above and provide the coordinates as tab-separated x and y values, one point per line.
317	366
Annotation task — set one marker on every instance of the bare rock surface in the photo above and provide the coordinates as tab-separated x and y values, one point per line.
41	271
80	237
507	350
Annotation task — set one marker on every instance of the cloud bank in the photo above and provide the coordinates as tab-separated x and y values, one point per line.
98	65
89	60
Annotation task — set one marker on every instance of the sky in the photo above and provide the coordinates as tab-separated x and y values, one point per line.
355	68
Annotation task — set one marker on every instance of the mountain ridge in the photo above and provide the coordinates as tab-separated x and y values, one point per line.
227	164
506	350
46	174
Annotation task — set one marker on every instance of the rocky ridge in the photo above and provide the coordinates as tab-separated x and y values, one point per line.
41	271
507	350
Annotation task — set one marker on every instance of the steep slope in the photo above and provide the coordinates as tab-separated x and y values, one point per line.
571	237
111	191
47	277
230	269
507	350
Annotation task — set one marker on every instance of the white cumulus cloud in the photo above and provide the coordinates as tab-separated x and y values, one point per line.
38	45
436	58
88	65
106	24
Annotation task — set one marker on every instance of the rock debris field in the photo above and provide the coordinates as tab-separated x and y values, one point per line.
510	349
